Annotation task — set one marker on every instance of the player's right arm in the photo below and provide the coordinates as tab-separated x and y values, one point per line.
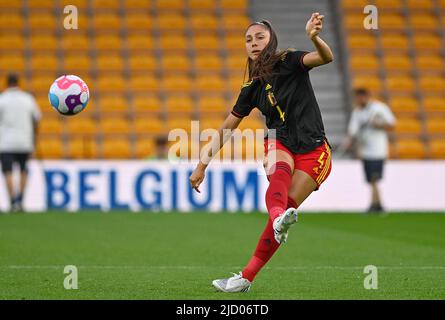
212	148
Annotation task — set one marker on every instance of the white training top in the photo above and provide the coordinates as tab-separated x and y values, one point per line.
18	109
372	142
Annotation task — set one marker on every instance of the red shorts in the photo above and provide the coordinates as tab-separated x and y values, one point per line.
316	163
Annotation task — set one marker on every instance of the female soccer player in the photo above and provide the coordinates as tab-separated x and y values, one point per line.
279	86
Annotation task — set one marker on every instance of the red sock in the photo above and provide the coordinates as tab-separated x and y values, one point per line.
264	251
276	194
291	203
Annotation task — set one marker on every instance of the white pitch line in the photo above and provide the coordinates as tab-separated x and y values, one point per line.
227	267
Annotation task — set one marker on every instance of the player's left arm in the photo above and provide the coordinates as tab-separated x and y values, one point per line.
323	54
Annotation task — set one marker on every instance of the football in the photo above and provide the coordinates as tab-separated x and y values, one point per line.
69	95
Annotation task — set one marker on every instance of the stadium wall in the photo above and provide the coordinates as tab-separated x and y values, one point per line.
162	186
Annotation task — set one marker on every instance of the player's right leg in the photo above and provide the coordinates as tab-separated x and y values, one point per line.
6	160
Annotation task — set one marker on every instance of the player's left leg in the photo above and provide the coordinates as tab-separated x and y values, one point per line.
6	160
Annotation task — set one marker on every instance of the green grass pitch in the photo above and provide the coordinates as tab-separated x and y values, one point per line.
175	256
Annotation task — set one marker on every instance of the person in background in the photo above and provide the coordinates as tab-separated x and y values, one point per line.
368	127
19	116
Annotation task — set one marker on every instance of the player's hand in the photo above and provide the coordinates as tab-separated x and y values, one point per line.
197	178
314	25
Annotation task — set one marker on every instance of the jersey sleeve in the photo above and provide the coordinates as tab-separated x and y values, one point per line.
36	114
293	60
387	115
244	104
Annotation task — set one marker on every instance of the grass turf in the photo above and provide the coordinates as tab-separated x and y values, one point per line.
175	256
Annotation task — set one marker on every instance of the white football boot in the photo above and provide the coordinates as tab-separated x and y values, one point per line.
233	284
282	224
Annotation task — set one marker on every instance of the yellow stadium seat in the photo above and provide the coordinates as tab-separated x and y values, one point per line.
77	62
144	82
204	21
106	21
12	63
114	125
410	149
82	148
175	62
442	3
437	148
202	5
235	42
372	82
143	103
108	42
430	62
238	5
177	83
148	126
397	62
144	148
44	63
423	4
111	62
80	4
43	42
11	21
436	125
110	83
42	21
394	41
113	103
235	21
140	42
173	42
137	4
408	125
41	4
208	104
108	4
392	21
211	122
116	148
41	83
75	43
434	104
50	148
432	83
11	4
354	4
84	126
400	83
426	42
210	83
52	126
170	5
142	63
236	62
403	104
179	104
139	22
364	62
354	21
206	42
178	123
424	21
208	63
171	21
361	41
388	4
251	122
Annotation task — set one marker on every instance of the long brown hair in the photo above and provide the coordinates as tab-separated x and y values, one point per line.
262	66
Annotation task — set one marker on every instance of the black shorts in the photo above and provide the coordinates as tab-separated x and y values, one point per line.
8	159
373	169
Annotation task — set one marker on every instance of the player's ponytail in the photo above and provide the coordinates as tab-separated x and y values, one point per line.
262	66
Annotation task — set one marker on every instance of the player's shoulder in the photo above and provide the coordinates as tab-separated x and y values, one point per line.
379	105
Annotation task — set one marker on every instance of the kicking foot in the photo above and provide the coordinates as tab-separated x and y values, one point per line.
233	284
282	224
